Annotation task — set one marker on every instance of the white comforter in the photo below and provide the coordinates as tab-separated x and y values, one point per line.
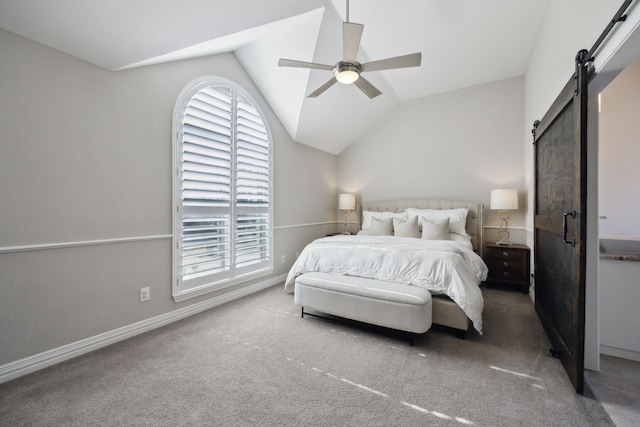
440	266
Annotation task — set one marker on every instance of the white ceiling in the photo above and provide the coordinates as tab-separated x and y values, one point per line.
463	43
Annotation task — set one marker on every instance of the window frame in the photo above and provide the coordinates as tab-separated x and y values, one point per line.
236	275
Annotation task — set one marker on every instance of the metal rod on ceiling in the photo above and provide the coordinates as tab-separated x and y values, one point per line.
347	10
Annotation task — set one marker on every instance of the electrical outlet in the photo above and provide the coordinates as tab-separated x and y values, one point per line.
284	259
145	294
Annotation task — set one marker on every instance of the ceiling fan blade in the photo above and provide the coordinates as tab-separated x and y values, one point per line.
302	64
411	60
322	88
351	35
366	87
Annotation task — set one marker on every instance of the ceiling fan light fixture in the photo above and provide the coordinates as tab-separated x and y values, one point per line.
347	73
348	70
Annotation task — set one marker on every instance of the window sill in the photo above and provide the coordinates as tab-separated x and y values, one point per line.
216	286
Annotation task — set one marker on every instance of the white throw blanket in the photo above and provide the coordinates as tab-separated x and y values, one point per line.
440	266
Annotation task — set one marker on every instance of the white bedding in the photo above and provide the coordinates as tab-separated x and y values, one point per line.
440	266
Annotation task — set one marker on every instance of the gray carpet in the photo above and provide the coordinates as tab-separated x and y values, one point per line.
255	362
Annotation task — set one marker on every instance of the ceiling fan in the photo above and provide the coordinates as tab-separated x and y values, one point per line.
349	70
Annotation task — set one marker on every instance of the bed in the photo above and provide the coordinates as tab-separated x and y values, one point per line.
450	267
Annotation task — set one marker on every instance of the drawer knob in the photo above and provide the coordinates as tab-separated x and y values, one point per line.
505	254
505	274
506	264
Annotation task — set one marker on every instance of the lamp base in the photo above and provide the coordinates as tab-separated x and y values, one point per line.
503	234
347	226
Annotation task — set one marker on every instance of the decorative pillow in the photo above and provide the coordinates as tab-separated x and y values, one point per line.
368	215
435	229
379	227
406	227
457	217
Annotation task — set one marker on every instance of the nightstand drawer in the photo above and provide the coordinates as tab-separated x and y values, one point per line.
510	275
508	265
505	253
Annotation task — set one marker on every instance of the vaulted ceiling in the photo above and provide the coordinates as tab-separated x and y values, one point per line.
463	43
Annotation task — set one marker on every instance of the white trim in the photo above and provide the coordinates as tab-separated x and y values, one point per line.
620	352
617	51
222	284
43	246
282	227
82	243
42	360
497	227
618	237
62	245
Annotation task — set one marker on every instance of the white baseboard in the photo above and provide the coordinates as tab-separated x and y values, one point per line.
620	352
42	360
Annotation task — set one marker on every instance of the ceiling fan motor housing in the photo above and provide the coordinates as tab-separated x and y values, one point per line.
347	72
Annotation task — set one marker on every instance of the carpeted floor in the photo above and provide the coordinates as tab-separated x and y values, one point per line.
255	362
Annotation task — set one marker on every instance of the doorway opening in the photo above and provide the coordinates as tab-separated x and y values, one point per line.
612	347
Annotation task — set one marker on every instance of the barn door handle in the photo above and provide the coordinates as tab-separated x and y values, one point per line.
572	242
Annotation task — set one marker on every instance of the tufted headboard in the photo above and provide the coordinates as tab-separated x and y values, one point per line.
475	216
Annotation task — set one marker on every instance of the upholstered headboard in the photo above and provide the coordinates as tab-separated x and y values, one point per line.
475	216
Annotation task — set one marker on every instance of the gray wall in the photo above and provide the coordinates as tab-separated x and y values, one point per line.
86	157
619	202
457	145
619	152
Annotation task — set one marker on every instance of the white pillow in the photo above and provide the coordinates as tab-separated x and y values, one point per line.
457	217
406	227
465	240
379	227
435	229
368	215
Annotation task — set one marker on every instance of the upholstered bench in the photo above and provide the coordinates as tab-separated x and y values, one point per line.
392	305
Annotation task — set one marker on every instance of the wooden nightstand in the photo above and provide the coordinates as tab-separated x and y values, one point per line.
508	265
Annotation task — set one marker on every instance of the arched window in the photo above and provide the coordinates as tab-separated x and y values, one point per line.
223	221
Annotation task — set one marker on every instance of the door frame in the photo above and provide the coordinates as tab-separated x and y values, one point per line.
615	54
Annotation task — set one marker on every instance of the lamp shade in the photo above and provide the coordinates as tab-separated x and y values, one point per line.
347	202
504	199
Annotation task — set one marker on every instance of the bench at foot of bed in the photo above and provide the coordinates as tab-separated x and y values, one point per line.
444	311
391	305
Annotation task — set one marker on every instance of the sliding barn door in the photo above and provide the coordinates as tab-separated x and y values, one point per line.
560	140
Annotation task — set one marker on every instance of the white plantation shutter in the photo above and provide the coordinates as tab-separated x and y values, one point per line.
252	186
223	221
